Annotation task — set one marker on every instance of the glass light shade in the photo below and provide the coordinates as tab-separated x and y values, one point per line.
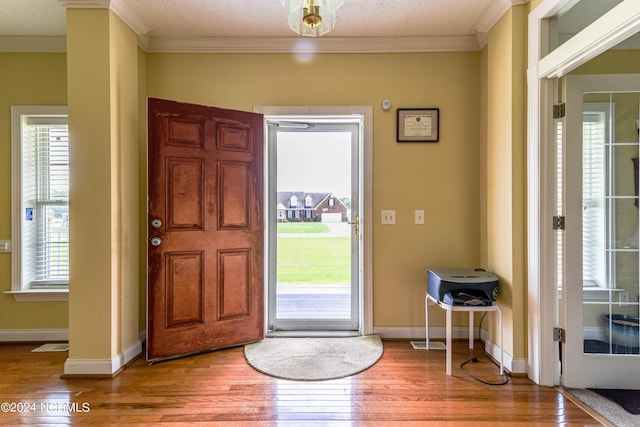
296	12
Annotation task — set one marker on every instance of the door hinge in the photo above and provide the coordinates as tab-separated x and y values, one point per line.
559	111
558	222
559	334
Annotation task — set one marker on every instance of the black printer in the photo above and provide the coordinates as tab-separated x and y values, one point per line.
456	286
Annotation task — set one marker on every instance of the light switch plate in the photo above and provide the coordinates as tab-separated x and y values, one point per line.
5	245
389	217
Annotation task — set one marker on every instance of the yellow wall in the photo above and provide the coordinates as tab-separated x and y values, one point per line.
506	173
481	152
441	178
25	79
612	62
533	4
142	188
125	180
90	194
103	126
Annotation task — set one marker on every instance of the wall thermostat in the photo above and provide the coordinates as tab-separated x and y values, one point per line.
386	104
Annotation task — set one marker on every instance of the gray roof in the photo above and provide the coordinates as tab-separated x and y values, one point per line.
316	198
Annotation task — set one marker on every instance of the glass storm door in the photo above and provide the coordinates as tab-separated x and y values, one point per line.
601	287
314	215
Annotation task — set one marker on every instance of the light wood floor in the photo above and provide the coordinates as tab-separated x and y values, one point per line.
406	387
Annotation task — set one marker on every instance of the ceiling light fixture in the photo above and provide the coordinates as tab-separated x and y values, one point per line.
312	18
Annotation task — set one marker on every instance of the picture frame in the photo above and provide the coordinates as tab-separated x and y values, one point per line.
418	125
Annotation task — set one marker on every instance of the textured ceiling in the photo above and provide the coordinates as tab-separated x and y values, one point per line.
252	19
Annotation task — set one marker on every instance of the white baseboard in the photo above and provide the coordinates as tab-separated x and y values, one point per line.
418	332
88	367
75	366
513	365
102	366
130	353
516	366
33	335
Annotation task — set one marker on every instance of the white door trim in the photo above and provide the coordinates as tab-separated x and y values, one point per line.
366	227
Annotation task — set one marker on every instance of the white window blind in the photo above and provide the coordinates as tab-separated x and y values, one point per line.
559	202
594	172
45	201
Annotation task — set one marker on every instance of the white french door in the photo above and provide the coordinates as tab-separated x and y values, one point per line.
600	293
314	223
547	61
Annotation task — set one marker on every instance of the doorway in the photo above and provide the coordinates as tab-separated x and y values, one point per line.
546	63
314	217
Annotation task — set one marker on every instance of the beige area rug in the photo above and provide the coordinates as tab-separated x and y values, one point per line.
610	411
314	359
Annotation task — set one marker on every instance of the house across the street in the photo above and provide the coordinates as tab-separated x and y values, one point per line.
299	206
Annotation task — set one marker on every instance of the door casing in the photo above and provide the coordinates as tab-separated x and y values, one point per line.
352	126
330	113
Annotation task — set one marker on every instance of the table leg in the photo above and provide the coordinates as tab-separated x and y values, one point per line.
449	347
471	330
426	323
501	343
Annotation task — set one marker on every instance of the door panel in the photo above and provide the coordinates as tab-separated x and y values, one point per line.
601	280
205	257
235	195
185	188
184	284
234	285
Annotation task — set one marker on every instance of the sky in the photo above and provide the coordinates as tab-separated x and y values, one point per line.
314	162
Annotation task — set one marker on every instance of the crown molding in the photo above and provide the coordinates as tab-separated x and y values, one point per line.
491	16
264	44
308	45
85	4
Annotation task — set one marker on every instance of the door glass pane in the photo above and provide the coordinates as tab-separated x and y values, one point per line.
314	261
574	17
610	223
559	233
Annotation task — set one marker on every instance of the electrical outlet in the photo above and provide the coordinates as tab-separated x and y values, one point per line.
419	216
5	245
389	217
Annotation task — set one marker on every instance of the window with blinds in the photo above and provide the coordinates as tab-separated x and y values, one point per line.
44	200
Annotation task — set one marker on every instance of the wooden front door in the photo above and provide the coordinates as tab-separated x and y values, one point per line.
205	228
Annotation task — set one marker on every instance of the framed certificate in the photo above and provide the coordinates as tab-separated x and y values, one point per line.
418	125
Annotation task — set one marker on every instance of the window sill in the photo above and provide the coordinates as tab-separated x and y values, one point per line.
40	295
597	293
593	293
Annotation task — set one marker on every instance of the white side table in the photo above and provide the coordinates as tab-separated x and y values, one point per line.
469	308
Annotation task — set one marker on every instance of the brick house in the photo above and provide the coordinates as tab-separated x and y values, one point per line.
299	206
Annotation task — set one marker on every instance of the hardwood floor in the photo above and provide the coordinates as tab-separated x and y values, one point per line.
406	387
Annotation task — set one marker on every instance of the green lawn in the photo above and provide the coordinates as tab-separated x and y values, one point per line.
302	227
312	259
